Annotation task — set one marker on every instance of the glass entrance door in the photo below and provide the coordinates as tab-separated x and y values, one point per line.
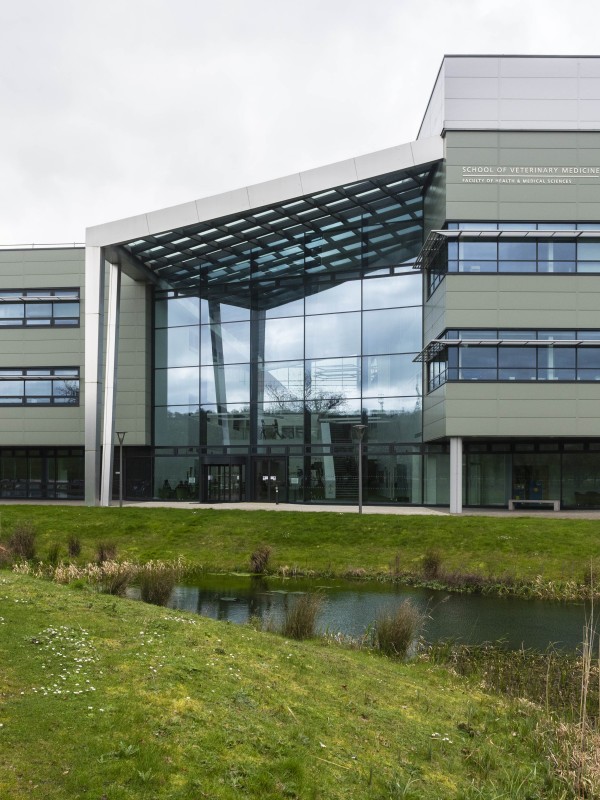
225	483
271	480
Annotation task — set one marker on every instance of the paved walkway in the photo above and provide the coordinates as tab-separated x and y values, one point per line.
396	510
335	509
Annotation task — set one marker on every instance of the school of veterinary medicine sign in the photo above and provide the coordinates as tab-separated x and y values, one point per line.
530	175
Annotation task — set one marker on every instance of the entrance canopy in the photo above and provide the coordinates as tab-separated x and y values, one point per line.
366	213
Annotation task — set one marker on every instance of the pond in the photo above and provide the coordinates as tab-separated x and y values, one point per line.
351	607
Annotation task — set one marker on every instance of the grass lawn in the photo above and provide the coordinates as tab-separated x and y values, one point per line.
325	542
109	698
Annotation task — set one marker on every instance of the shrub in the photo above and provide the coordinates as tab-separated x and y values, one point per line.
106	551
74	546
157	580
53	556
113	577
300	618
22	541
432	562
259	559
396	630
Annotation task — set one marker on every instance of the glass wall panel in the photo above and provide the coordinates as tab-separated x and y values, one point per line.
488	479
334	478
282	381
397	290
333	335
176	477
322	298
177	311
390	375
335	426
536	476
296	479
392	331
226	425
393	419
176	425
177	387
281	423
283	339
224	312
177	347
581	480
393	478
227	343
330	380
436	469
292	308
225	384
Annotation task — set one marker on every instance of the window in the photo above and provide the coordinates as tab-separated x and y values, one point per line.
57	386
39	308
517	355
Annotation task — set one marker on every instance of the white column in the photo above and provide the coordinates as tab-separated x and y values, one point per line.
456	459
110	382
94	335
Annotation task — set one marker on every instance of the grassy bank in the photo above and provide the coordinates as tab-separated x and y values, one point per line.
551	556
104	697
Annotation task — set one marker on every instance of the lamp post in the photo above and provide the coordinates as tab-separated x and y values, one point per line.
121	437
359	432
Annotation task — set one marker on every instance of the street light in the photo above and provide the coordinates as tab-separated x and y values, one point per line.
359	432
121	437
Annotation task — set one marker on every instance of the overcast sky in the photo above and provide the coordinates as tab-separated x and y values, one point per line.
110	108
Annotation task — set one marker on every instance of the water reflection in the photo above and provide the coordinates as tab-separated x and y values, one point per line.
351	608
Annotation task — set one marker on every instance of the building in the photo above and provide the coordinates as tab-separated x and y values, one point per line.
443	293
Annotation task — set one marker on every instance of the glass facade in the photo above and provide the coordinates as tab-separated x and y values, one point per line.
257	387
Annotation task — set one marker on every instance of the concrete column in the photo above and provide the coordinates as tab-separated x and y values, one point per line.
456	488
110	382
94	336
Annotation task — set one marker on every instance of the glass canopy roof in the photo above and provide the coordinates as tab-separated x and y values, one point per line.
326	236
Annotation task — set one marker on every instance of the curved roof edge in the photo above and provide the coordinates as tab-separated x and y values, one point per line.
411	154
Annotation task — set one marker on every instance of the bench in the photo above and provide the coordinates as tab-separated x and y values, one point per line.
555	503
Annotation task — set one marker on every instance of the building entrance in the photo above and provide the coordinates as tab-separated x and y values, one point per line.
225	483
271	480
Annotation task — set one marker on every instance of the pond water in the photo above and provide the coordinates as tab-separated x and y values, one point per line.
351	607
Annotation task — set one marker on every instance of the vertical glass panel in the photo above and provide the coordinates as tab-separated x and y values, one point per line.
68	473
226	343
334	478
478	363
437	478
588	363
292	308
536	476
488	479
11	390
323	297
226	425
177	347
176	426
225	384
335	425
64	310
330	379
283	339
393	478
393	419
281	423
176	478
281	381
177	311
556	251
581	480
556	364
399	290
33	310
476	251
226	312
296	479
176	387
517	251
333	335
392	331
390	375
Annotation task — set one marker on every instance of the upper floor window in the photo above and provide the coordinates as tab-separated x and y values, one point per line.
513	355
54	386
518	248
39	308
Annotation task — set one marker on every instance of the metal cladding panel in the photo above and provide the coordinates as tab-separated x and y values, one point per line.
523	175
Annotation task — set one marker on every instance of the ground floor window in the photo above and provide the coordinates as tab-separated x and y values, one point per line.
42	473
493	473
